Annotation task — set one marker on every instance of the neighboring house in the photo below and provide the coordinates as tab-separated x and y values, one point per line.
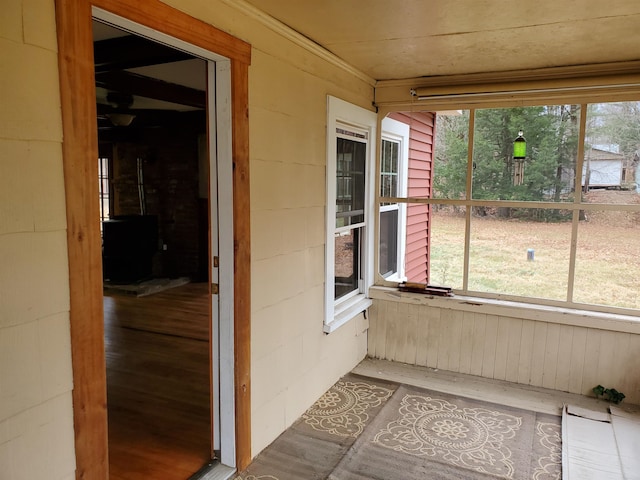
284	332
604	169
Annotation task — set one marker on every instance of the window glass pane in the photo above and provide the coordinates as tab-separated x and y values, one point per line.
451	152
103	186
521	252
608	259
350	182
389	169
388	250
611	152
546	173
347	263
446	225
386	156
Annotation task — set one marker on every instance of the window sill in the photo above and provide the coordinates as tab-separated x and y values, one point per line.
395	278
527	311
346	311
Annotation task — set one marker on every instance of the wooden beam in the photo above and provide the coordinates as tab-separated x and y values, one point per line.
142	86
156	119
146	118
132	51
242	259
80	153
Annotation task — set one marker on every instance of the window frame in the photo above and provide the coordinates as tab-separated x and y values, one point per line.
355	229
569	303
398	132
350	117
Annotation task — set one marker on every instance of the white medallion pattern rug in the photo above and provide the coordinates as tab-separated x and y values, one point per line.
420	434
549	464
312	447
343	409
472	438
366	429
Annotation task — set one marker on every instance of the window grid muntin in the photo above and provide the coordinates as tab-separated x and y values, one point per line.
575	206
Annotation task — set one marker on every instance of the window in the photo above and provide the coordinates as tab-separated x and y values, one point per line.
393	175
104	185
350	136
558	227
389	218
350	201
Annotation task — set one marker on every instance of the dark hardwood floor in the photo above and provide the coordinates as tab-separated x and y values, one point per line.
158	376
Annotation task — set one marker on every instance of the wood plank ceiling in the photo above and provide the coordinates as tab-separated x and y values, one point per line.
150	80
414	38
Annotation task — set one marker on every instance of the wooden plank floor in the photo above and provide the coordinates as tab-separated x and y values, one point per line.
157	352
501	392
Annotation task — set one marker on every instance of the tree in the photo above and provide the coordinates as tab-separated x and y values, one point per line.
551	133
450	169
618	124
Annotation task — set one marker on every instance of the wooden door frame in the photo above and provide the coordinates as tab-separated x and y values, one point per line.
80	150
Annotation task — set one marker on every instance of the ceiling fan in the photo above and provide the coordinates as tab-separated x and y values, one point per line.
121	116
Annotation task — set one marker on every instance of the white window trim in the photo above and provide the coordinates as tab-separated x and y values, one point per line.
344	115
397	131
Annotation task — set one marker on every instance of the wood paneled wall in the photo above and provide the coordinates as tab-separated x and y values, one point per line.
533	352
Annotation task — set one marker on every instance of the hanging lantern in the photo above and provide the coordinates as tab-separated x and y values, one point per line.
519	147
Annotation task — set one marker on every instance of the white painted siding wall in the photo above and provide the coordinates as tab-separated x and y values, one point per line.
36	417
557	354
292	361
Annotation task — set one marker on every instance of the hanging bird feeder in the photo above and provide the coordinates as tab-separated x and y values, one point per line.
520	147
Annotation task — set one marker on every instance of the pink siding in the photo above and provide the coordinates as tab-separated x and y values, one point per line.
420	155
421	134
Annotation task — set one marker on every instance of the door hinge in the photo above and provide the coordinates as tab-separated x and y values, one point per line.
216	262
215	289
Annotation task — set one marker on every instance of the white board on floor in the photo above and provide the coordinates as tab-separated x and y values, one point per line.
626	428
589	450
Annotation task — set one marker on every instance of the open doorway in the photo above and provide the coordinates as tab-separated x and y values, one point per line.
228	60
160	243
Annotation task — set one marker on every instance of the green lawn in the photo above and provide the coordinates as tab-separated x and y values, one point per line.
607	261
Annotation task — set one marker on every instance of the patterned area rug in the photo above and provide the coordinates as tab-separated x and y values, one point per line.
313	446
421	434
368	429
